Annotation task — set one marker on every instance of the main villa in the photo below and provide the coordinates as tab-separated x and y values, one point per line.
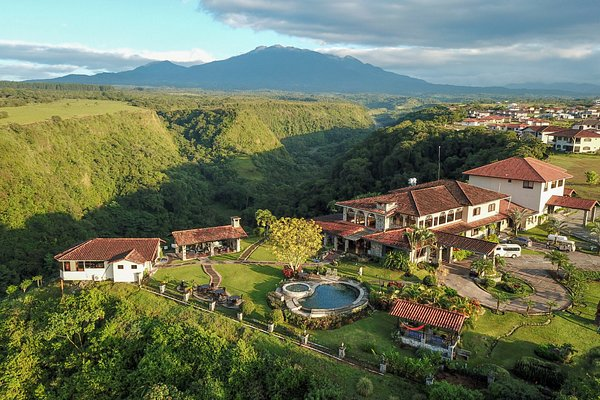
460	214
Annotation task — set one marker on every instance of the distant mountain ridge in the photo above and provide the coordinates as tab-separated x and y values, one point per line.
286	69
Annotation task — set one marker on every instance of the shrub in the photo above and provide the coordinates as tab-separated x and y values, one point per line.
430	280
488	283
248	307
444	390
540	372
551	352
277	316
324	323
413	368
364	387
513	389
460	255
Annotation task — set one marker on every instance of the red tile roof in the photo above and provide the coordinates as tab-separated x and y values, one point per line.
461	242
392	238
546	128
427	198
576	133
112	249
428	315
569	192
204	235
524	169
572	202
334	225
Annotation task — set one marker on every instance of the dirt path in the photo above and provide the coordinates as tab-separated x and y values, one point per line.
215	278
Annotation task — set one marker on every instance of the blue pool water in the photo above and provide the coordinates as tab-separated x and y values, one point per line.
332	295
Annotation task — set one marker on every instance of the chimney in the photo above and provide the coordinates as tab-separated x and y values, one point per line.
412	181
235	222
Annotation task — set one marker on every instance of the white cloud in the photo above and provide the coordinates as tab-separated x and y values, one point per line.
26	60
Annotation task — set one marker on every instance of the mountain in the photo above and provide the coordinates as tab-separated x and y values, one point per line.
274	68
290	69
581	88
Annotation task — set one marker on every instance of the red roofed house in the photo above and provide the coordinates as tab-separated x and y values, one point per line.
576	140
376	225
531	183
208	240
117	259
426	326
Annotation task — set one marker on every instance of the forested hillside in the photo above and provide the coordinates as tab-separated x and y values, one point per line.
118	342
178	162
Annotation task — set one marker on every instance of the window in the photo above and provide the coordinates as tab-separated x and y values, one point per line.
492	207
119	266
428	221
561	182
442	218
546	187
133	266
476	211
528	184
67	266
450	216
80	266
458	214
475	232
510	180
553	184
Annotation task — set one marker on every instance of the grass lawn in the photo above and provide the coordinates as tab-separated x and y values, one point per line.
253	281
263	253
246	168
577	165
374	273
527	289
189	273
365	340
68	108
575	327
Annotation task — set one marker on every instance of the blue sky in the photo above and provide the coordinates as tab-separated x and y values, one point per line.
473	42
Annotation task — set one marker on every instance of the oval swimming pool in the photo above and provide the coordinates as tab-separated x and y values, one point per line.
330	295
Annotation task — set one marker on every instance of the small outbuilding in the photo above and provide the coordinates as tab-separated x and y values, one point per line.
433	328
208	241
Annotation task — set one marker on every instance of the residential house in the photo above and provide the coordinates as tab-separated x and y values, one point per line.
208	241
541	132
591	123
576	140
531	183
379	224
117	259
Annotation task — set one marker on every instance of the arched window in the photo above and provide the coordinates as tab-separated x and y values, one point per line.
442	218
428	221
450	216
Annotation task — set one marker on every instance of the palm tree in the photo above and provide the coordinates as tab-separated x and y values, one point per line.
555	226
396	260
551	304
529	303
517	216
483	267
500	299
417	238
595	231
557	258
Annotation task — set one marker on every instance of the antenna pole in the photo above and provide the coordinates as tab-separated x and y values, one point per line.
439	161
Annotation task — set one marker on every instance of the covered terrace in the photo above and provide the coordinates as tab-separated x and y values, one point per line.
586	205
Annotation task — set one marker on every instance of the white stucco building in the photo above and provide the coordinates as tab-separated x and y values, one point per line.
117	259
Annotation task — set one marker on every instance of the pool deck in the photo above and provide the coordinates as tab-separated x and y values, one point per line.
294	305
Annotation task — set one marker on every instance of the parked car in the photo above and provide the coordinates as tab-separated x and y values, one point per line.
508	250
521	240
561	243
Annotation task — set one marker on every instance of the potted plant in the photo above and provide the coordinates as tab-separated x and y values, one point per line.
275	318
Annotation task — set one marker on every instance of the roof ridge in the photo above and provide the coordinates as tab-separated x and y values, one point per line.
529	164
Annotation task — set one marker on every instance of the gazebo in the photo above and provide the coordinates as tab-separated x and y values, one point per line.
433	328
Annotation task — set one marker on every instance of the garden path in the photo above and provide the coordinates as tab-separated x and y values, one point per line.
215	278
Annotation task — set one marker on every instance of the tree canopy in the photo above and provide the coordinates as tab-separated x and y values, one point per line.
294	240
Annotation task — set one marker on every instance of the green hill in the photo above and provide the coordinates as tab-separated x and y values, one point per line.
177	163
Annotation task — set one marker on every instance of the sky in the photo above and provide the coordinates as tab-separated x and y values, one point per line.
463	42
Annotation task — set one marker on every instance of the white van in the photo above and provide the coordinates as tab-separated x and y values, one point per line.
508	250
561	243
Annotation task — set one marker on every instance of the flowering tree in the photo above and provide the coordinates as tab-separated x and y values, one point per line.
294	240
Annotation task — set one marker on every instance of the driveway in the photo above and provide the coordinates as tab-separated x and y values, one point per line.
529	268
